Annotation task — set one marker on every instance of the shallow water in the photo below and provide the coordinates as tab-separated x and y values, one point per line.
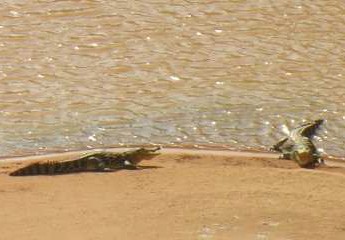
97	73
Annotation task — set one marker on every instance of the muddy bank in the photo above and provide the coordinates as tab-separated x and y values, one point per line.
182	194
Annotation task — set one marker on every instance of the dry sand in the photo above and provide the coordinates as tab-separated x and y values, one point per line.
182	194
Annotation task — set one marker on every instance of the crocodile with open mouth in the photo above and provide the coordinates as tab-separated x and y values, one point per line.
97	162
299	147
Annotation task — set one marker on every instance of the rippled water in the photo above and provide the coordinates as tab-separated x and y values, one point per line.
94	73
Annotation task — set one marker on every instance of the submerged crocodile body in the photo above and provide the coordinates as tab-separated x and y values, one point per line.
102	161
299	146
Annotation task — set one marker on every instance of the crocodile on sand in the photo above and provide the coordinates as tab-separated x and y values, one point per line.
299	147
96	162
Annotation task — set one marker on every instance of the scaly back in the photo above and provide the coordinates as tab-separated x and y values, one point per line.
92	162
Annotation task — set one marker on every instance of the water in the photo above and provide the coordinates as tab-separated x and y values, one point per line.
97	73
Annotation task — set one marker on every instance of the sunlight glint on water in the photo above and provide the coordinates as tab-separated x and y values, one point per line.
104	73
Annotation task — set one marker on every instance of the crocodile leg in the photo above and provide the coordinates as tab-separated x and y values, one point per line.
278	146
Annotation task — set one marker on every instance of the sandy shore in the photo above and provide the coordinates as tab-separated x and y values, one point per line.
182	194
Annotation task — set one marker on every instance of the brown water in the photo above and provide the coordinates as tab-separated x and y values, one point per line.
77	74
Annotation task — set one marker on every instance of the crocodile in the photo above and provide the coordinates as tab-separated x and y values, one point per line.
298	146
94	162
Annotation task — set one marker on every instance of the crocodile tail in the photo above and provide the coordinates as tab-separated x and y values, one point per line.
50	168
31	169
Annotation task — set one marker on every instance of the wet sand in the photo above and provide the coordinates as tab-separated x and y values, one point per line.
182	194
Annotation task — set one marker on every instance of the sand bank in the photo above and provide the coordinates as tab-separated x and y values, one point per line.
182	194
